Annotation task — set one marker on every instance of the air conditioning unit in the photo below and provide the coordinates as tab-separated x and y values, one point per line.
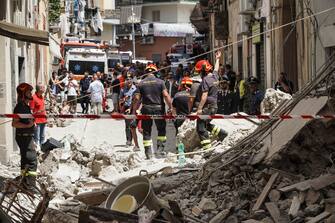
244	26
247	7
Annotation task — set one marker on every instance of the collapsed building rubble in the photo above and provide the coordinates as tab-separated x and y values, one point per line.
281	172
272	99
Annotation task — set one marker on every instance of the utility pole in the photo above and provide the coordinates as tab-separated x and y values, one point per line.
212	34
212	8
133	31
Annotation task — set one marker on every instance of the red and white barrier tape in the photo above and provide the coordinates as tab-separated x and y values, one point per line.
192	117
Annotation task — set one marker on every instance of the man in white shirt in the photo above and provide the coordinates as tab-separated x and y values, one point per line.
72	93
63	83
97	94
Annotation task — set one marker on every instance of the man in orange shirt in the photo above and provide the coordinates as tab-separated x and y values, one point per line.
37	106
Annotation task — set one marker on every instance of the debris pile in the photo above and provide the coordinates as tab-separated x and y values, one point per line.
68	169
272	99
237	129
295	185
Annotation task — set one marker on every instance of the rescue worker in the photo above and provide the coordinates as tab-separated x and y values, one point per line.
180	101
153	92
206	101
24	136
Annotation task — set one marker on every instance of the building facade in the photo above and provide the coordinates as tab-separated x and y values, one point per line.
20	61
159	25
266	38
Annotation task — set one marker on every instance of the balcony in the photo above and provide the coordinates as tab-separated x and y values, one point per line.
136	2
247	7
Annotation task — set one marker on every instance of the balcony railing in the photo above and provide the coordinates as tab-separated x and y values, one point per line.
134	2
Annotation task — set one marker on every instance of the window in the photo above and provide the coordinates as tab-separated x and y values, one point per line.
3	7
17	4
156	16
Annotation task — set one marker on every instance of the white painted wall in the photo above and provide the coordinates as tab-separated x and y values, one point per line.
326	32
184	13
108	33
9	74
6	131
106	4
169	13
109	4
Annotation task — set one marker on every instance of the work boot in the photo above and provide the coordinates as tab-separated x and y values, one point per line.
160	153
222	135
30	184
148	152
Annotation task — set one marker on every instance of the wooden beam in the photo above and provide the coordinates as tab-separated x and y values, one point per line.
295	206
301	186
93	198
265	192
323	181
320	217
274	211
316	183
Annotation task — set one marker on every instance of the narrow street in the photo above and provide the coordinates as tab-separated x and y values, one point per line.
167	111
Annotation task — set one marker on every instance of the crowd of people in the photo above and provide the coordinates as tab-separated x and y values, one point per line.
176	91
147	89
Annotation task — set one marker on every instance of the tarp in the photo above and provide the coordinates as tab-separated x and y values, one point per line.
24	34
127	16
169	29
54	48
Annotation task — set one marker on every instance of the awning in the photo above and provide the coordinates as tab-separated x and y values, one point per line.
24	34
111	21
169	29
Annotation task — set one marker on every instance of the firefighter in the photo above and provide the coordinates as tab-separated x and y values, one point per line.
206	102
152	92
24	136
180	101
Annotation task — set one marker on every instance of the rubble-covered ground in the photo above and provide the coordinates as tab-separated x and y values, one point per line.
95	149
301	189
295	185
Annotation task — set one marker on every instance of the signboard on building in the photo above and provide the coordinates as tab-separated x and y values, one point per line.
189	43
256	31
189	48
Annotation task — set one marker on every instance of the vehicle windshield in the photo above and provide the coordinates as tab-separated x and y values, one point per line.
80	67
113	62
175	58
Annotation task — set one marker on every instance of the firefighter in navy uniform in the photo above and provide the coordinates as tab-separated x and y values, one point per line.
24	136
206	102
180	102
152	92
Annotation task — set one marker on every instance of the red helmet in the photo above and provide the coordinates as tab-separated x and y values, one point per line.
186	81
151	68
203	64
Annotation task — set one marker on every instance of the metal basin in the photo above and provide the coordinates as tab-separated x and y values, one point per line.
140	188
